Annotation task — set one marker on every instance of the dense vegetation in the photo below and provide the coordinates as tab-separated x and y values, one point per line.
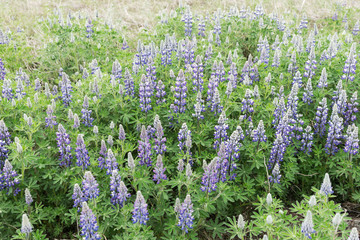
236	124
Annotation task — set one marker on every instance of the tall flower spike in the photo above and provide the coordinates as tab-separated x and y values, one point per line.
334	132
103	154
199	107
86	113
121	132
352	140
110	162
354	234
197	75
145	93
63	142
307	140
140	212
28	198
88	223
241	222
220	133
326	188
185	215
323	79
159	171
259	133
66	90
321	118
77	196
119	192
308	94
210	176
8	179
26	226
82	153
90	186
247	105
144	149
50	120
159	139
179	105
131	162
307	227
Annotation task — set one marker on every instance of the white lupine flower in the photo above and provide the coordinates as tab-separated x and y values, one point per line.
269	219
241	222
312	201
269	199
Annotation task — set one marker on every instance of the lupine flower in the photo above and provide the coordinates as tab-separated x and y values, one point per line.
199	107
247	105
341	102
292	102
351	109
66	90
307	140
2	70
159	171
336	220
334	133
310	64
210	176
63	143
129	83
279	111
185	215
82	153
241	222
350	66
7	90
110	162
180	166
233	152
90	186
307	227
223	163
131	162
269	220
8	179
50	120
326	188
277	151
28	198
229	89
308	94
88	223
145	93
182	137
86	113
140	212
312	201
103	154
121	133
212	85
160	92
4	133
124	45
119	192
89	25
259	133
321	118
187	19
197	75
352	140
26	226
159	139
276	61
354	234
269	199
275	178
356	28
177	205
144	148
220	133
215	105
201	27
78	196
179	105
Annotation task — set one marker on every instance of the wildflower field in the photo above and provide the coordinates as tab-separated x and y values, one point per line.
232	124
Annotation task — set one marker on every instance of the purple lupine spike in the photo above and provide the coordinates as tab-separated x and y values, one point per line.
233	75
342	102
233	152
4	133
110	162
88	223
151	72
160	93
221	72
337	92
321	118
122	136
286	128
276	61
277	151
7	90
159	171
308	94
50	120
140	212
90	186
2	70
307	140
307	227
259	133
26	226
215	105
8	179
217	25
326	187
88	26
351	110
292	101
310	64
119	192
212	85
323	79
210	176
76	121
223	163
350	66
179	105
279	111
3	153
145	93
144	149
116	70
159	140
208	55
334	133
129	83
82	153
86	113
297	79
229	60
188	20
185	215
37	85
352	140
201	27
66	90
220	133
183	137
63	143
275	174
247	105
229	89
78	196
197	75
124	45
356	28
199	107
20	89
